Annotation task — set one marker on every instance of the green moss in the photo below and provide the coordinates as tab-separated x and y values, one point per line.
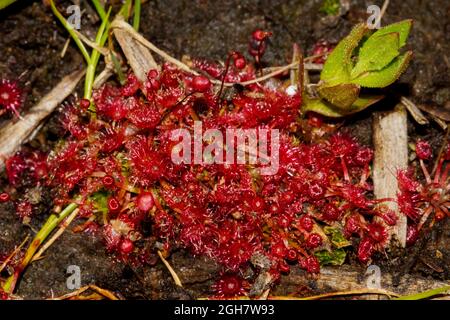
330	7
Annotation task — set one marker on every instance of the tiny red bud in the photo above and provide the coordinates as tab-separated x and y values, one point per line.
287	197
201	83
113	205
292	255
314	240
152	74
145	201
4	197
126	246
260	35
310	264
84	104
279	250
108	181
306	223
316	191
423	150
240	62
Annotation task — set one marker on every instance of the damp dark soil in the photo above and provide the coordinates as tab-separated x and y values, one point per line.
31	43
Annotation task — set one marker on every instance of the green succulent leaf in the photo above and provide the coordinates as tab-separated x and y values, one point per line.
341	95
334	258
339	63
321	107
376	53
329	110
385	76
402	28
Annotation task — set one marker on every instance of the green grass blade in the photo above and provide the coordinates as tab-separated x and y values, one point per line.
72	33
100	10
137	14
52	222
100	39
5	3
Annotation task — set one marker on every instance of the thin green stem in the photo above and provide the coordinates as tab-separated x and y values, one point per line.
100	39
5	3
425	294
100	10
52	222
72	33
137	14
125	9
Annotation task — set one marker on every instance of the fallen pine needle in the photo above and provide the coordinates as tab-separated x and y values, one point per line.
172	272
66	46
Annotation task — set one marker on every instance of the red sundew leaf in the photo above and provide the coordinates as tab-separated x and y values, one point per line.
144	116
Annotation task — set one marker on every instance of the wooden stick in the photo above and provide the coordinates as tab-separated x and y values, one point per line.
390	138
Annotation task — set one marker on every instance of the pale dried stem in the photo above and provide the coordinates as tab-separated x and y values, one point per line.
415	112
171	270
92	44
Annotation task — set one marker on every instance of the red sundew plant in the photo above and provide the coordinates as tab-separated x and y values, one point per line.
119	167
11	97
230	285
115	164
429	199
